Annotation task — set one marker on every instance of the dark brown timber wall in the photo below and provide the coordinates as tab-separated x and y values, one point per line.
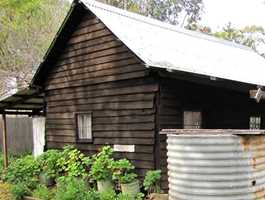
97	73
220	108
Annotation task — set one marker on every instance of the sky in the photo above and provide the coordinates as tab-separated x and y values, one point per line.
218	13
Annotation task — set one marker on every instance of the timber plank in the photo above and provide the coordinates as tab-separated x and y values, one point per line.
105	106
94	25
106	99
106	92
84	37
106	120
94	68
89	43
97	80
129	141
104	86
91	49
93	55
95	74
104	113
92	62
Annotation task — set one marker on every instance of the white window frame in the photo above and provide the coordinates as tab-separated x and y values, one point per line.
84	125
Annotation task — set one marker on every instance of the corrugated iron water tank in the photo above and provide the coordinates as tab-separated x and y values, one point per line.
216	164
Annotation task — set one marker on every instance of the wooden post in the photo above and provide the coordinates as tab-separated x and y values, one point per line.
4	141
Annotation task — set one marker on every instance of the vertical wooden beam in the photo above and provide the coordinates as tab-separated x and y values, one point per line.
4	140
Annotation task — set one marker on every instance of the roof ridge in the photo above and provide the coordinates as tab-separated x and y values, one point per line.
163	25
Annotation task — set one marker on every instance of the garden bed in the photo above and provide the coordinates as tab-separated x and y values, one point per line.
69	174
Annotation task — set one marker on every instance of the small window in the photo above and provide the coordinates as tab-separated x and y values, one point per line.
255	122
192	120
84	126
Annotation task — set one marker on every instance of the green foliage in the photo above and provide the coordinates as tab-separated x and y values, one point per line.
151	181
111	195
102	162
140	196
164	10
122	171
19	190
48	163
42	192
70	188
108	195
251	36
23	170
27	29
73	163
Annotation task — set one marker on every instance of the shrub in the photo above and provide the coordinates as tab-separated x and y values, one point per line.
42	192
70	188
48	163
122	171
23	170
19	191
102	162
73	162
111	195
151	181
108	195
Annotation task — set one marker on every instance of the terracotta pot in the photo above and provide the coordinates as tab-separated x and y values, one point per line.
132	189
104	185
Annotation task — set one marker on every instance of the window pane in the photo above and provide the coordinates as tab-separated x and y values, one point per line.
254	122
192	120
84	126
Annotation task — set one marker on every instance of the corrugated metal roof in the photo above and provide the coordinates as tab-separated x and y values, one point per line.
25	99
162	45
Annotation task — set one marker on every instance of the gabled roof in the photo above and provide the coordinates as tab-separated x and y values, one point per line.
162	45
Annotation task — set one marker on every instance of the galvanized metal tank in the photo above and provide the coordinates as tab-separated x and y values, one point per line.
216	165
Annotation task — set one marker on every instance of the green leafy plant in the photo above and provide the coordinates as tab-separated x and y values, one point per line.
19	190
48	163
23	170
151	181
73	163
108	195
123	171
71	188
102	162
42	192
111	195
140	196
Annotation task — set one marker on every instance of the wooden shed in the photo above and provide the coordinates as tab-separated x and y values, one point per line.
118	78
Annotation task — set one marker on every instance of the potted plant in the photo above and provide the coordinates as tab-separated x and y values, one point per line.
73	163
48	167
101	169
123	172
152	186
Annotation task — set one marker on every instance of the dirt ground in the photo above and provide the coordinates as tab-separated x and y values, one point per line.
4	191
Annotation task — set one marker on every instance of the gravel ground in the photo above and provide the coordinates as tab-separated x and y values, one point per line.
4	192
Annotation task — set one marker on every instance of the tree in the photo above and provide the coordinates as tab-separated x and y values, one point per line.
27	28
172	11
251	36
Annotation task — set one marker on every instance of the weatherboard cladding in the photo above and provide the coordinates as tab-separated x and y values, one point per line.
96	73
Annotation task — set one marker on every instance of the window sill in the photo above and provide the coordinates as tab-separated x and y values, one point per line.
85	141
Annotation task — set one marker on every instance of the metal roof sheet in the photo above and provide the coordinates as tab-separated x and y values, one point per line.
162	45
24	99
